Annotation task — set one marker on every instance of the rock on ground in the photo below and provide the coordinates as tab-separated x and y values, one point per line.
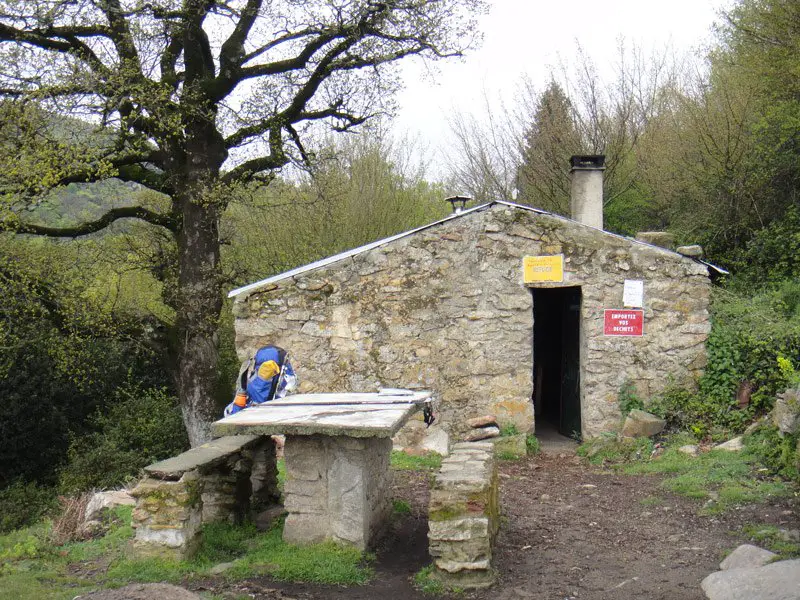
733	445
776	581
482	433
747	556
639	423
484	421
101	502
690	449
436	440
786	414
143	591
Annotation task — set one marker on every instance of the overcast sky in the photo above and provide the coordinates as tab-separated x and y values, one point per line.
528	38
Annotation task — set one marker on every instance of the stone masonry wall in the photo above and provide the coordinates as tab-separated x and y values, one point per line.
464	516
337	488
445	309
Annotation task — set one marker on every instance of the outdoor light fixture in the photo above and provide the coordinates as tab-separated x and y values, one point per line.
458	202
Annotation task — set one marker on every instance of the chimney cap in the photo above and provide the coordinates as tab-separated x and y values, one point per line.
461	201
588	162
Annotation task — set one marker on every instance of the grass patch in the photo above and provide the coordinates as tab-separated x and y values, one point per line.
253	553
425	582
506	455
607	450
532	444
401	507
424	462
773	539
509	430
725	478
281	463
147	570
32	568
319	563
721	478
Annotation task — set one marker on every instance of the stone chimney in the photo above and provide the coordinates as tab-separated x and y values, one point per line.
586	191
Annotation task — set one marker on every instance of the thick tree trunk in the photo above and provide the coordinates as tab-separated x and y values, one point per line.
197	166
199	305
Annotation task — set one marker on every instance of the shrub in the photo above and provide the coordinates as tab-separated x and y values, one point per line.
628	399
780	454
24	503
532	444
141	426
509	430
749	342
67	526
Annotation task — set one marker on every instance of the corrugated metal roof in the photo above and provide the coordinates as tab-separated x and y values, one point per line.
355	251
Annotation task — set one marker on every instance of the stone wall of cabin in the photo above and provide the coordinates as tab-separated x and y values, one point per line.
446	309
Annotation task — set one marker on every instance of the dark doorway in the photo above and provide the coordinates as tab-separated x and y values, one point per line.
556	358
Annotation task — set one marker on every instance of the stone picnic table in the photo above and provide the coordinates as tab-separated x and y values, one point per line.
337	452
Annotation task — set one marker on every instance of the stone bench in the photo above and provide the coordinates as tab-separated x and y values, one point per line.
463	516
222	480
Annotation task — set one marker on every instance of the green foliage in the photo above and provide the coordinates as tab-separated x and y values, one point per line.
318	563
627	398
778	453
607	450
23	503
509	430
724	479
63	352
789	372
424	462
772	256
427	583
506	455
363	190
281	473
532	445
27	556
751	337
401	507
140	426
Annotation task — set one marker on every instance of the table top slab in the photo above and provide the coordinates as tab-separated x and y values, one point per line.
347	414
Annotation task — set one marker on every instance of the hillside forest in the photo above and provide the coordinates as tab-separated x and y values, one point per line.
107	206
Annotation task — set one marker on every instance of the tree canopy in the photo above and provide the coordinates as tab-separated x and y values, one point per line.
193	98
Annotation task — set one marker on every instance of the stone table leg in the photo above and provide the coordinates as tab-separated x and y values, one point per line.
337	488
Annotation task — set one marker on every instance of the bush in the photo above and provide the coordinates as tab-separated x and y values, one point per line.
141	426
24	503
532	445
628	399
749	342
780	454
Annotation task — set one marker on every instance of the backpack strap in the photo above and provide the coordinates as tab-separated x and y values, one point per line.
276	380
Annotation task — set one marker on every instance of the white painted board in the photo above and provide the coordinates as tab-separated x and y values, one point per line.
633	293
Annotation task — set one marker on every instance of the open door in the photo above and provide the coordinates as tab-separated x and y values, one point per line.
556	358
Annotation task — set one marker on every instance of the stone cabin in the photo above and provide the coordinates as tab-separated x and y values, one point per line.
451	307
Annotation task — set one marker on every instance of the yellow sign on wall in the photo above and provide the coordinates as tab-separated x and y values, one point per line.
543	268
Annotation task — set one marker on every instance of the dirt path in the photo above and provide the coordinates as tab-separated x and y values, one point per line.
569	531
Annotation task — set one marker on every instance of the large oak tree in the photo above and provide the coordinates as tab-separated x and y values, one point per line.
192	98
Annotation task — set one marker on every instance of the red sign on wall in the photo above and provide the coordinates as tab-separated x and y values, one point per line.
622	321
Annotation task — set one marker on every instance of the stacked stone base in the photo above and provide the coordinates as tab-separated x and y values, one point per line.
463	517
219	481
337	488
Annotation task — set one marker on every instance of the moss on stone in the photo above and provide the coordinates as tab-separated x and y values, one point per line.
446	513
